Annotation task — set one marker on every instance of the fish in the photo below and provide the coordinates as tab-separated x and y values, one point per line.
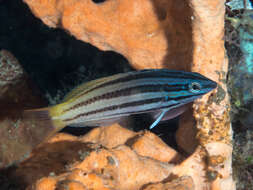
107	100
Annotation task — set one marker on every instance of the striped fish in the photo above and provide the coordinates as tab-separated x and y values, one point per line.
109	99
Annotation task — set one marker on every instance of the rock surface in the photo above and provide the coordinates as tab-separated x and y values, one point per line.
17	137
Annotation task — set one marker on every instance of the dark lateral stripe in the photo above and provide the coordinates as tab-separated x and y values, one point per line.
127	92
152	109
130	104
185	97
147	74
119	106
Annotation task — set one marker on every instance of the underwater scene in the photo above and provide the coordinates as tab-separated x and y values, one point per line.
126	95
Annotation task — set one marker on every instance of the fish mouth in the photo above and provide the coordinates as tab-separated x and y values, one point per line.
209	84
213	84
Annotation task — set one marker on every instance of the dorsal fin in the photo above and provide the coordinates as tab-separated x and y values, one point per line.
87	86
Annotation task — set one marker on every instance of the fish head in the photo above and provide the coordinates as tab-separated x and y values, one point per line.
189	86
200	85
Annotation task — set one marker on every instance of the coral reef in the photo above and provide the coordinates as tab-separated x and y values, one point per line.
150	34
243	160
102	160
241	72
99	160
240	80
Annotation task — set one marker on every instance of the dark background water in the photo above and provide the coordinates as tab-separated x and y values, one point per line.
55	60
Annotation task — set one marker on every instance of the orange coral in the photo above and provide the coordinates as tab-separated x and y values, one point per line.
148	33
71	162
142	142
181	183
92	165
46	183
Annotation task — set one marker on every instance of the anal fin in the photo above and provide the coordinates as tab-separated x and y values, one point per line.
167	114
158	119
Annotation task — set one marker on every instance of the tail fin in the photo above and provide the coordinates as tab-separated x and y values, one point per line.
43	117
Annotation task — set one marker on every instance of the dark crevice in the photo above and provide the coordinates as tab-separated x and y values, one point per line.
98	1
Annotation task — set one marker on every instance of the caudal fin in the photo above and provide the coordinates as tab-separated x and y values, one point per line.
43	117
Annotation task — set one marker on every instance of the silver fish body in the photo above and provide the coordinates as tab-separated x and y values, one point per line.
108	99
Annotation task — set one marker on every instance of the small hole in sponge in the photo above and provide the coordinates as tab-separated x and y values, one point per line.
98	1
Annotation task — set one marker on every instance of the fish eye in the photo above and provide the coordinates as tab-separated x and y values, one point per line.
194	87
